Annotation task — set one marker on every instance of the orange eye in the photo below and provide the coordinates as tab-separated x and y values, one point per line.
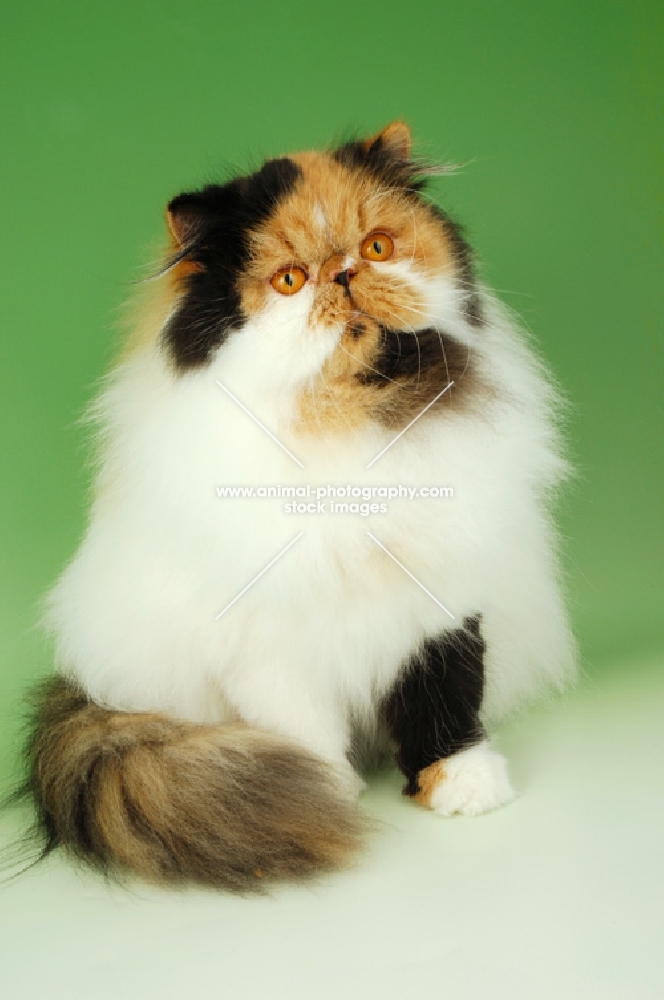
288	280
377	246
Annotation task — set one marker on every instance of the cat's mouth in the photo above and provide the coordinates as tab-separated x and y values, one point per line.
359	320
350	299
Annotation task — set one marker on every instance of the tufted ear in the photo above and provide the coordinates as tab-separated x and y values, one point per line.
395	140
185	215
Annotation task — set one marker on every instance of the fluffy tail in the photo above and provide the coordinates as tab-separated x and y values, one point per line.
225	806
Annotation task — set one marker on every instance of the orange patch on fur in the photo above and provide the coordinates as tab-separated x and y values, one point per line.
329	214
428	780
320	227
349	391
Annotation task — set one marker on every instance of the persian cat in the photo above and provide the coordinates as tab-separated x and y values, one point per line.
316	331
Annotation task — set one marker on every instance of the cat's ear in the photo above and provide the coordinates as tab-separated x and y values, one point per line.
185	215
395	140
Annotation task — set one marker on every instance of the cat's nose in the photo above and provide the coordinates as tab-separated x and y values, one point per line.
343	277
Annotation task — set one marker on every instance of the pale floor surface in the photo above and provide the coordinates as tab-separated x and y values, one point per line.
559	895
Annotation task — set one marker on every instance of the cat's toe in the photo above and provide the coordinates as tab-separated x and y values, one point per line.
468	783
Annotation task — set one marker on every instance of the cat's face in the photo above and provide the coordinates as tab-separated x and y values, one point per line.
339	270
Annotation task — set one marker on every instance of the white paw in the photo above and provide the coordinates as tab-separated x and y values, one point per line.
471	782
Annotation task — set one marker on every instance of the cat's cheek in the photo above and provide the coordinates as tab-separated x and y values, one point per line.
436	299
394	294
255	297
446	302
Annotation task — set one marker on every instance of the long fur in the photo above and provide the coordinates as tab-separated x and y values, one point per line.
179	744
225	806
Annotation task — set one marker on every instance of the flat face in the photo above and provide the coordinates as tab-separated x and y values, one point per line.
341	253
326	226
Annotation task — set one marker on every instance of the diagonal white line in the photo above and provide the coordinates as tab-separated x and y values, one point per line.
408	573
244	591
262	426
420	414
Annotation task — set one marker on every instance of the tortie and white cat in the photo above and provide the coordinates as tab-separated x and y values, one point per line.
323	299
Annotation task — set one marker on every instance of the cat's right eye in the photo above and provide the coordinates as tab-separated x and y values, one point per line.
289	280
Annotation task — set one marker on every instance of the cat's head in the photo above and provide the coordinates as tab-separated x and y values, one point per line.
337	269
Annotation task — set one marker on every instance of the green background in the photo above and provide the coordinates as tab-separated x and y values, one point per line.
110	109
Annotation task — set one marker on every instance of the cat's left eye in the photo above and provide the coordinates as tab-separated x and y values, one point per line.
377	246
289	280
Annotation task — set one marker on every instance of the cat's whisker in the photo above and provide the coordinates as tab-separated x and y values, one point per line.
414	222
312	391
381	194
398	336
401	323
442	348
416	310
365	365
468	357
335	401
411	330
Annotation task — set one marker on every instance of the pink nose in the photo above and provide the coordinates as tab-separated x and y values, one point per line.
343	277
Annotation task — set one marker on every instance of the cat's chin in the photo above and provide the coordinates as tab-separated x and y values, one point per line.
276	354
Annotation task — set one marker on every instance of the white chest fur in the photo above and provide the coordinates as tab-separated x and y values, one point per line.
323	632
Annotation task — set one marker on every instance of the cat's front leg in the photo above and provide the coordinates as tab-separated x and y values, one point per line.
433	716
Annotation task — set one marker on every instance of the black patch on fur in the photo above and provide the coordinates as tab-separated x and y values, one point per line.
407	355
379	159
433	710
463	256
218	220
